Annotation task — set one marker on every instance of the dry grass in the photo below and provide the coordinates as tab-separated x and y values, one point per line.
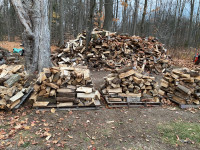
183	57
182	53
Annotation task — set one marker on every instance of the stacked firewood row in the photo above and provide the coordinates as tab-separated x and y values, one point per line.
130	86
109	50
65	87
181	86
14	88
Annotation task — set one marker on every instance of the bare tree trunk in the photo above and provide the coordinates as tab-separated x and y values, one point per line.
197	36
176	28
61	39
50	14
143	18
34	17
135	17
108	15
191	20
7	14
100	13
116	15
80	20
12	23
90	22
124	19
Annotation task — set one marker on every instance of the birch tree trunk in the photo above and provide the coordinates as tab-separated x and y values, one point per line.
34	17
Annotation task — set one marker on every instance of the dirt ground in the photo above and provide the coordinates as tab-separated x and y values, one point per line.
128	129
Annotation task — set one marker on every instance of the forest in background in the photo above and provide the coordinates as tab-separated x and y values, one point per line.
174	22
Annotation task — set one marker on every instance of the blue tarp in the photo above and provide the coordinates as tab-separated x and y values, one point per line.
17	50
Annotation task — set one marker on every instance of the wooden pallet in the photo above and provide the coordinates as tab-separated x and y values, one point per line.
74	107
131	104
185	106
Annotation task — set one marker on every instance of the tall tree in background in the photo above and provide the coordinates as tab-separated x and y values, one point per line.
135	17
90	22
124	18
100	13
61	37
143	18
177	23
116	15
170	21
34	17
108	15
191	20
80	17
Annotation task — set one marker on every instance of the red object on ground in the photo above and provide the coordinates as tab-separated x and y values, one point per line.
196	58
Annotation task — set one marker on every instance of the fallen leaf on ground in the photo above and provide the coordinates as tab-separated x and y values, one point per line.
21	141
53	110
71	137
27	127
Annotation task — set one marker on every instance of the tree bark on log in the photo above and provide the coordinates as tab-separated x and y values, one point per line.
34	17
12	80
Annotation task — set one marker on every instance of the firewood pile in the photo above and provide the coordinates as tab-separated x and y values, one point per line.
8	58
65	87
110	50
181	86
14	88
128	85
